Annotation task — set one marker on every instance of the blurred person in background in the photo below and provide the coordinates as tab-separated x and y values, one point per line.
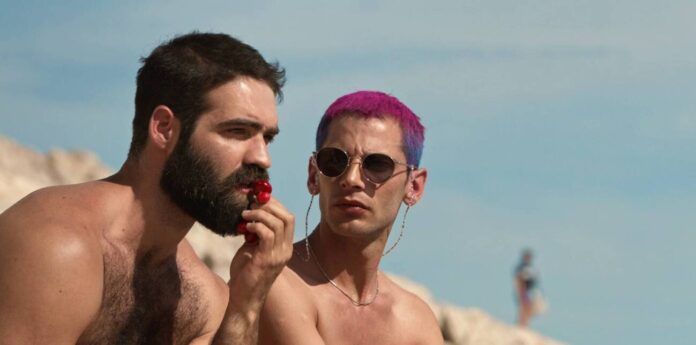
530	301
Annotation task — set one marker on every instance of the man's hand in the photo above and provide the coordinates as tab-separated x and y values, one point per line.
253	270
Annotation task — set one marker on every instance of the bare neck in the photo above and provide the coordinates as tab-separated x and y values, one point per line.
153	224
351	263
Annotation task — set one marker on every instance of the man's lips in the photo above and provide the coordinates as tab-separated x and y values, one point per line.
245	189
349	203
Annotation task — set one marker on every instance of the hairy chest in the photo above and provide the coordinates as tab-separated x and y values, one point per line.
146	304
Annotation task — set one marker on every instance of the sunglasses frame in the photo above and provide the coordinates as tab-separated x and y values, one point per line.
409	167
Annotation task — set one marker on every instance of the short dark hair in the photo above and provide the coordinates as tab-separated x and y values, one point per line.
180	72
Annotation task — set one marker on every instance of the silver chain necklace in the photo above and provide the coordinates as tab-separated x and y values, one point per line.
356	303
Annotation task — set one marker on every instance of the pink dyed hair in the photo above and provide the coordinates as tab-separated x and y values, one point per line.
370	104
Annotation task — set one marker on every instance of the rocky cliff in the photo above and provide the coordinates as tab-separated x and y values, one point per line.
23	170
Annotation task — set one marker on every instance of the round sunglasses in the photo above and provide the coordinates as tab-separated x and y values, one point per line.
376	167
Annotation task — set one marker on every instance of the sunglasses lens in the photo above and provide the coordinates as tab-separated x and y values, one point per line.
331	161
378	167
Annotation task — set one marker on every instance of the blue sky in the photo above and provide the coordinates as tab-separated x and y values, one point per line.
566	126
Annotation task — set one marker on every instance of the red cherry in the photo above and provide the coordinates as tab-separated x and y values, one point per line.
242	228
263	186
251	238
263	197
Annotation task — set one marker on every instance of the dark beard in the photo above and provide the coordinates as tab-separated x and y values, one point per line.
192	184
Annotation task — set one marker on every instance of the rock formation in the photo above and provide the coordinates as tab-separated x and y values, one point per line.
23	170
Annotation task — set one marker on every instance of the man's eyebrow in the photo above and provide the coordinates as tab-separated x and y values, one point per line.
241	122
273	131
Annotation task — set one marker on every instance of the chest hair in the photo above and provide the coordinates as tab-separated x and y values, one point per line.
146	304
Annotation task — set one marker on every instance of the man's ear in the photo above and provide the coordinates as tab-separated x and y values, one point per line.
312	177
415	186
164	129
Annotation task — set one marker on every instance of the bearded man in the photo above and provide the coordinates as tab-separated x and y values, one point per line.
106	262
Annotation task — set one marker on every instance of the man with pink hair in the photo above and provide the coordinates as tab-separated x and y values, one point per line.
366	164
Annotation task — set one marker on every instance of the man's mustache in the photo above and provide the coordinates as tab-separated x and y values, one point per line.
244	177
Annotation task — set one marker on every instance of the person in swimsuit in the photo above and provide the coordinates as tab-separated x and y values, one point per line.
526	284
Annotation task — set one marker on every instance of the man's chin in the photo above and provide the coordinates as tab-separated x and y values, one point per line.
220	230
224	223
223	232
223	227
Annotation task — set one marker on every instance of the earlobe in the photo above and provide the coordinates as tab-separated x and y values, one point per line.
416	186
409	200
313	179
314	188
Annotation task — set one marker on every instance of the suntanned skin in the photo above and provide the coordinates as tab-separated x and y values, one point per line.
302	308
106	262
524	312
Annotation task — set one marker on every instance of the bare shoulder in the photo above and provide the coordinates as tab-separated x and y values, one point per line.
214	287
75	206
404	298
290	313
211	289
51	268
52	219
292	286
416	316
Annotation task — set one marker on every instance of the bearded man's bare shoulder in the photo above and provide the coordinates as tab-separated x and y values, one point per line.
60	217
212	289
77	206
192	265
49	259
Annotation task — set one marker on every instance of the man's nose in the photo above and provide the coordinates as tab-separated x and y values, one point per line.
257	153
352	177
